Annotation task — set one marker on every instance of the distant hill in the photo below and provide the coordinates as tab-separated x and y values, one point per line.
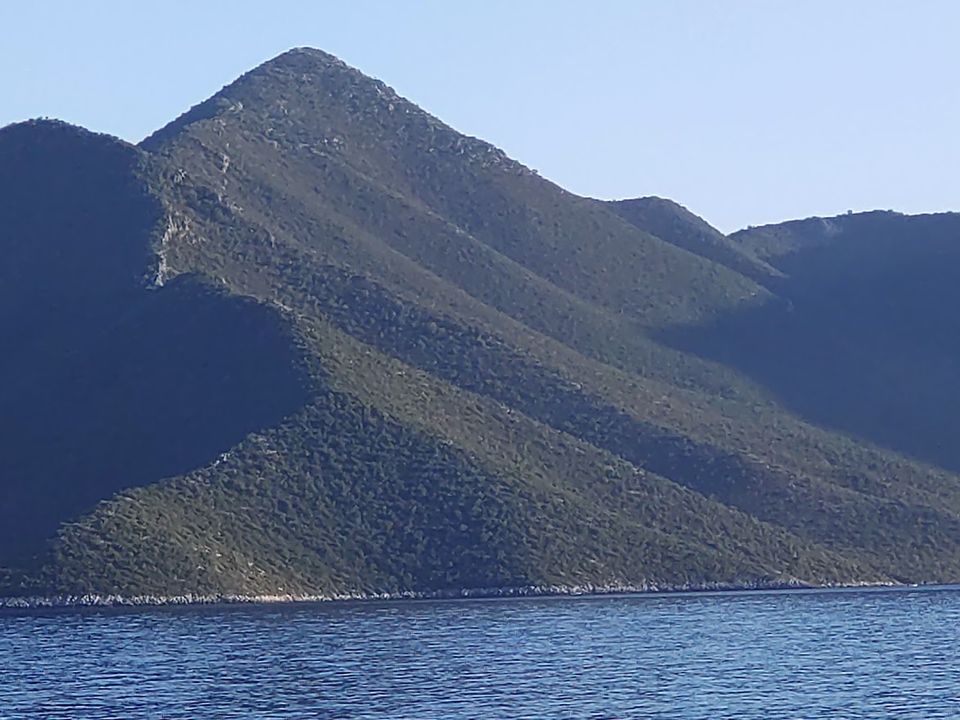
307	339
863	337
677	225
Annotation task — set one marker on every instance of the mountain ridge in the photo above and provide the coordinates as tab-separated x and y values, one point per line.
490	382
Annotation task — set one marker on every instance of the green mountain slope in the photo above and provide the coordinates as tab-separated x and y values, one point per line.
677	225
307	339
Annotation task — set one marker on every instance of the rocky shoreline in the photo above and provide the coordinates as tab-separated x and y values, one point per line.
119	601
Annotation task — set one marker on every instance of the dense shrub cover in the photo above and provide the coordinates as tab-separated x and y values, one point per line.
309	340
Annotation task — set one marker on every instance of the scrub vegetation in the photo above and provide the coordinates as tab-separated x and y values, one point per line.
308	340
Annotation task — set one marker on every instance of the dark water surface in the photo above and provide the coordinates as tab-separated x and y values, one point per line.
832	654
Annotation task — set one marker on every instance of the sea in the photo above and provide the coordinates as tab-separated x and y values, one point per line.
805	654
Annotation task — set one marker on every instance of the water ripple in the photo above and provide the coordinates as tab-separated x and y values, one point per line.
863	654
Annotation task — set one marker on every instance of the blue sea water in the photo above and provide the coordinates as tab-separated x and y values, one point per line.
797	655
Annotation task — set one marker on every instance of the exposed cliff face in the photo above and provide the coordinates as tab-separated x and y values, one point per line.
307	340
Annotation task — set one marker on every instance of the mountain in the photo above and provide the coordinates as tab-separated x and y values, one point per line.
672	222
863	337
308	340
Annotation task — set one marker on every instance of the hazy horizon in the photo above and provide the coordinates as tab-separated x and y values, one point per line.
746	113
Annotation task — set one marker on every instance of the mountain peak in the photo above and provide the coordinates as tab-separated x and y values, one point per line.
301	78
307	98
300	56
282	74
46	129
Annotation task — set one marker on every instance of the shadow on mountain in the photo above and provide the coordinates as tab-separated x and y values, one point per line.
104	383
864	337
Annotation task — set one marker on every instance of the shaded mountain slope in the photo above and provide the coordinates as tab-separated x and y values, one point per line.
863	337
402	361
108	382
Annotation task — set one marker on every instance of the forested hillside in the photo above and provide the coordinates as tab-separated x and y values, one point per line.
309	340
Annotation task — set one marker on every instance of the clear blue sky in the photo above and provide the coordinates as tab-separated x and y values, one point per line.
745	111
